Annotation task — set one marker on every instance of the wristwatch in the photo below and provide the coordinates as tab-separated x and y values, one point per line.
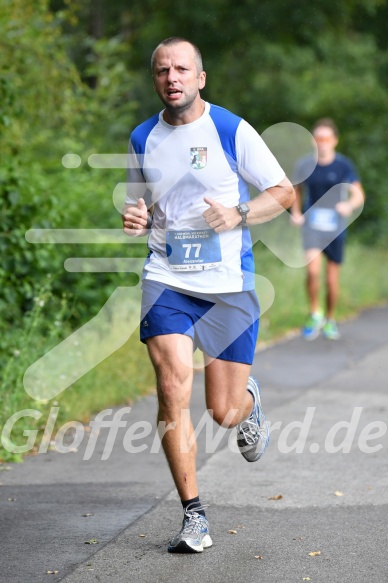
243	209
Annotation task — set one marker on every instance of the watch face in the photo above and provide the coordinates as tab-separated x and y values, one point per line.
244	207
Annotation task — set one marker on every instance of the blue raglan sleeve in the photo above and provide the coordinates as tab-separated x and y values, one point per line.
136	185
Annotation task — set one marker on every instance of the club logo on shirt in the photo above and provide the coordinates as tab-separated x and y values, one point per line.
198	158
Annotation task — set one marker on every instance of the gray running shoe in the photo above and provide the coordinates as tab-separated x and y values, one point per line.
253	433
194	535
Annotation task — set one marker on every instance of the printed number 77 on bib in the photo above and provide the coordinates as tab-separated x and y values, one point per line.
188	247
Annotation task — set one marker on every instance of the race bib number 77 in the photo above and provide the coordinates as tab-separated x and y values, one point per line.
193	250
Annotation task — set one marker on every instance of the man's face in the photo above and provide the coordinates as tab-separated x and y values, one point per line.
176	78
326	140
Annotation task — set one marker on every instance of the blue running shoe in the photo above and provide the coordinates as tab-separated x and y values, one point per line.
253	433
313	326
194	535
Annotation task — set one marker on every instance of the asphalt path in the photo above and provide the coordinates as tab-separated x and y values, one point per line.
321	488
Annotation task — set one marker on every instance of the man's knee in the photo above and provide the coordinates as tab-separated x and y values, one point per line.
313	262
173	393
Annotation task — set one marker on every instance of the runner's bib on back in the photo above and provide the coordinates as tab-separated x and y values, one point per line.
194	250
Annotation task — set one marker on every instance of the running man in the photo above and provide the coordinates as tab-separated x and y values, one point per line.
193	163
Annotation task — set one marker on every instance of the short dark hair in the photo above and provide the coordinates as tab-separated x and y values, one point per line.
326	122
174	40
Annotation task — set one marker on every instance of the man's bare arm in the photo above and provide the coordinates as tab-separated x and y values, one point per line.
355	200
266	206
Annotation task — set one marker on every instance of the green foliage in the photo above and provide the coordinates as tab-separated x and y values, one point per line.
23	268
38	82
23	345
45	112
113	100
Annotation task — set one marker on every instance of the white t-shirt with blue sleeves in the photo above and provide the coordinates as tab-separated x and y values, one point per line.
174	168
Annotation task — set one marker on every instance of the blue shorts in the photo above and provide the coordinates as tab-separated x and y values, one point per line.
333	249
224	326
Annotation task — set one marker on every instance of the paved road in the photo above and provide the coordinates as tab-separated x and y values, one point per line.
321	487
